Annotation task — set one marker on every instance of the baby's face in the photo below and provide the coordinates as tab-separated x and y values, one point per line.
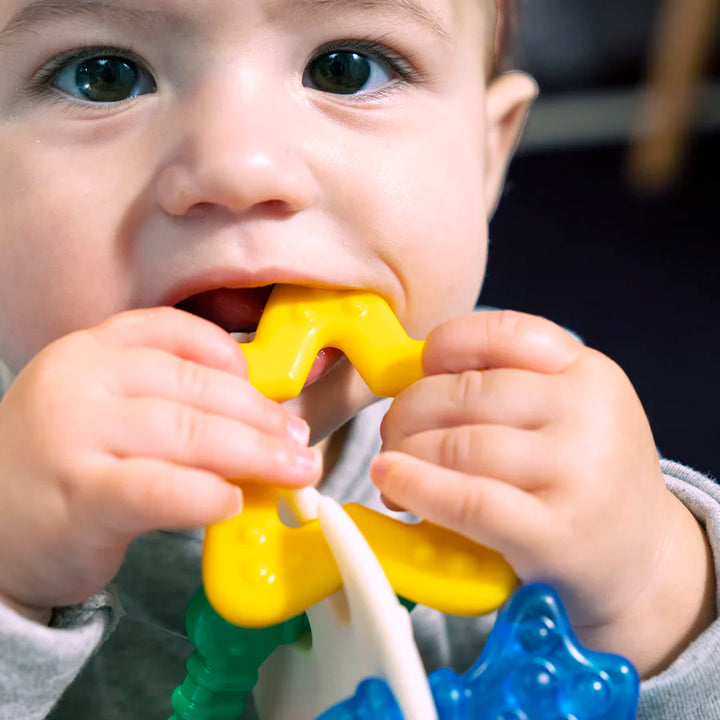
157	152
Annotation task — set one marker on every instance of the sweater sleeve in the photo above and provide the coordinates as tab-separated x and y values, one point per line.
690	687
38	663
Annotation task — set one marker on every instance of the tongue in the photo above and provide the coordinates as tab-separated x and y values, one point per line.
233	309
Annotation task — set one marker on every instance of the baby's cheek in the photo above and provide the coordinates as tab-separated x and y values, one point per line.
450	272
451	290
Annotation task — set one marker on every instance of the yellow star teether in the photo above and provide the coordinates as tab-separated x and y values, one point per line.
257	571
298	322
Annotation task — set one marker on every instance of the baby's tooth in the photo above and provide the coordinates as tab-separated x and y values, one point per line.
242	337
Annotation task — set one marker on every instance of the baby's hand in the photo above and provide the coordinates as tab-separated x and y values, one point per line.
525	440
124	428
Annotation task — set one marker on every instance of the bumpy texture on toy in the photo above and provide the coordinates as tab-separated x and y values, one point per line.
532	668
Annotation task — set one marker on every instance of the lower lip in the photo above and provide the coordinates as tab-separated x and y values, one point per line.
326	359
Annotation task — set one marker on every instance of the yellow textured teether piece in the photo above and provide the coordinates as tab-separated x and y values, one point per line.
257	571
298	322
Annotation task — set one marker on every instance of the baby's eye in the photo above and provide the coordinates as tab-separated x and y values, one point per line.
104	79
347	72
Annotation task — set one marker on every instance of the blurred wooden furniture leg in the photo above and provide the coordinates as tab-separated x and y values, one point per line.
681	45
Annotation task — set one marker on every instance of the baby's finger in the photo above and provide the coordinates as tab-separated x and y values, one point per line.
499	339
516	398
522	458
147	372
149	494
177	332
487	511
230	448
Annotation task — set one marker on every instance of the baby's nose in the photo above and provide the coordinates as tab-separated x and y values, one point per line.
245	152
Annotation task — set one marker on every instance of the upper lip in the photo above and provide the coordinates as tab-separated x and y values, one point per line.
221	278
235	314
213	280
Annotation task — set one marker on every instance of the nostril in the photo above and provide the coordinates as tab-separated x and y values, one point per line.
277	206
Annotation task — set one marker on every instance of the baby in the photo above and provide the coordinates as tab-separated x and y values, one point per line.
163	164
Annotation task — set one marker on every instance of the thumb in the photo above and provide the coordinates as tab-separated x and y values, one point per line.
499	339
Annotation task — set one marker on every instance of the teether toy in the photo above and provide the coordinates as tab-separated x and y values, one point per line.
298	322
532	668
257	571
312	617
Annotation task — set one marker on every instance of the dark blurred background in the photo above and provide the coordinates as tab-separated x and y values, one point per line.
610	219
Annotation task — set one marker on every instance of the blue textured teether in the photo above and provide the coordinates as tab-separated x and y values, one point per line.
532	668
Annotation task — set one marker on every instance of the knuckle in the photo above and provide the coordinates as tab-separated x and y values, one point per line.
505	324
277	421
464	387
455	447
605	381
468	511
188	427
191	379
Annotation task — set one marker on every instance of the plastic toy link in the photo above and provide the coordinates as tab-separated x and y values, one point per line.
304	615
532	668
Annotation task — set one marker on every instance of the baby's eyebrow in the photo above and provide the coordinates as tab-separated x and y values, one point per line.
398	9
47	11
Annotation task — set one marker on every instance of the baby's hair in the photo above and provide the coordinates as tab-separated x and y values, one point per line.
502	16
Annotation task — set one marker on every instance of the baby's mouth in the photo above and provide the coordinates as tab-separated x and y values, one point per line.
235	310
238	312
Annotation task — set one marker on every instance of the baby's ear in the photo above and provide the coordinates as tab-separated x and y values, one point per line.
509	97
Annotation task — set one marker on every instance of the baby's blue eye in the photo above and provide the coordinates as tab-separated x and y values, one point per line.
105	79
344	72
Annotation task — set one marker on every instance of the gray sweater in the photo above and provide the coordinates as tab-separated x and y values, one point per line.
120	654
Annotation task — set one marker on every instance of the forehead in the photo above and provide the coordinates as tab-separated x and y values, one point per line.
432	12
459	23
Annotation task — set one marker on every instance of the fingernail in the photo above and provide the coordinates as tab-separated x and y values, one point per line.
239	506
298	430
